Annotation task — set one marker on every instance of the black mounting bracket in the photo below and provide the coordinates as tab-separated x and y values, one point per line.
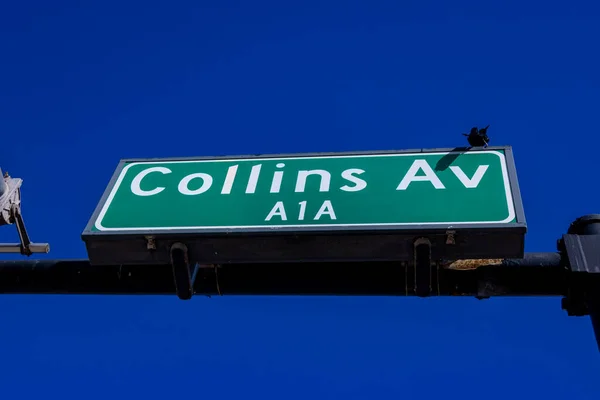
581	249
425	272
184	274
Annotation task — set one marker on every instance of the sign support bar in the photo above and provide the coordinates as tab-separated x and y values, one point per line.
537	274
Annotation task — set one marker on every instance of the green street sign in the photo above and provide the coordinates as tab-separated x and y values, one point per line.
348	192
318	191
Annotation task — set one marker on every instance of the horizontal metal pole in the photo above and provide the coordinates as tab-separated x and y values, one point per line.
16	247
537	274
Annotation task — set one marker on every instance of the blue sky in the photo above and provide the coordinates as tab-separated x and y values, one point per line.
84	85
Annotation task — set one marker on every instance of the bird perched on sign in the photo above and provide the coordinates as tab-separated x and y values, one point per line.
478	137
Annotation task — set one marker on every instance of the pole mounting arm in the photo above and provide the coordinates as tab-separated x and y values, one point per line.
10	213
17	217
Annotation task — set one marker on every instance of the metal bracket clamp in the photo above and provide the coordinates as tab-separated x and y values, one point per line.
425	272
184	275
581	249
10	213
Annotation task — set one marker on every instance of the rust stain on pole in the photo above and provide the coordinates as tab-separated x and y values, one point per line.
472	263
